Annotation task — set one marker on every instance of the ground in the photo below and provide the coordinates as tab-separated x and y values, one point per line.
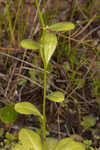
74	68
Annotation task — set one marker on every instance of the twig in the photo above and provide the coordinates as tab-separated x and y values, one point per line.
95	29
34	82
11	49
86	26
15	58
4	76
10	79
78	5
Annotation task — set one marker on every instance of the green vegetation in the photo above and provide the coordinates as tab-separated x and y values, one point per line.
8	114
47	47
49	75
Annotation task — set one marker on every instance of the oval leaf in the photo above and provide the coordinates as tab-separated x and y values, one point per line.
48	46
51	143
22	82
56	97
30	139
18	147
27	108
8	114
69	144
62	26
88	121
30	44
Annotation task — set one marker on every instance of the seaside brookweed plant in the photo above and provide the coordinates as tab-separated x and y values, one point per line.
29	139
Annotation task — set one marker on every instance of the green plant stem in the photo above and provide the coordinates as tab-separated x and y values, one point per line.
10	26
44	111
17	14
40	14
45	81
44	105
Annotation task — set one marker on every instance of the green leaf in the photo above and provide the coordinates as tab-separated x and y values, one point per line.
18	147
69	144
98	99
96	133
51	143
10	137
32	74
22	82
30	139
88	142
30	44
56	96
62	26
8	114
1	132
48	46
88	121
27	109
